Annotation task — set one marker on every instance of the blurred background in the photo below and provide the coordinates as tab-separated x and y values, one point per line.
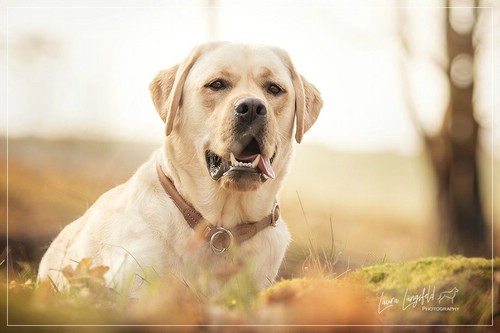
399	165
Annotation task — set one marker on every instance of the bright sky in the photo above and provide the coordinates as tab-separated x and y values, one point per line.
90	77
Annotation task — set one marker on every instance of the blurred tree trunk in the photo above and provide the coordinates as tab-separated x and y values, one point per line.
453	152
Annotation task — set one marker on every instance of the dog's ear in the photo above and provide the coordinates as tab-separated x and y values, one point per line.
166	89
308	104
160	89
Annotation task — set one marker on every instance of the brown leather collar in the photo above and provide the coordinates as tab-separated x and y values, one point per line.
219	238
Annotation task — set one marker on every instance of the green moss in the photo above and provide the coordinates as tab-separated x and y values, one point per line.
378	277
434	277
433	270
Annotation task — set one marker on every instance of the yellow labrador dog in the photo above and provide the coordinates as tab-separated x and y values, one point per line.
207	200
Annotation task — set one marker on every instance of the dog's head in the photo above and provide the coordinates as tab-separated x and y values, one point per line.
235	107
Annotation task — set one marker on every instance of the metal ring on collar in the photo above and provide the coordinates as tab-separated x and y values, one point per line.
220	231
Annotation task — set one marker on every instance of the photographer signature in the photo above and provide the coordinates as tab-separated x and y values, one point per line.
411	299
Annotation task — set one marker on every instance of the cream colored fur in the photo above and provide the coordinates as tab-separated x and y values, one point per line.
137	231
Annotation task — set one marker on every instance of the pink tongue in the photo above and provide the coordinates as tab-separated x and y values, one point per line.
264	164
265	167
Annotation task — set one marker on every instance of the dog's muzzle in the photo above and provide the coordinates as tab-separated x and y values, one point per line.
245	155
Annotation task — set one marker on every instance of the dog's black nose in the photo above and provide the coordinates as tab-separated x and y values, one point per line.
250	109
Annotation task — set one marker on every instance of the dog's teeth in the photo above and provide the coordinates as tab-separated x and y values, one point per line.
255	162
234	162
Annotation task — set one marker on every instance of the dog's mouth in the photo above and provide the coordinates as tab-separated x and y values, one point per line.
245	156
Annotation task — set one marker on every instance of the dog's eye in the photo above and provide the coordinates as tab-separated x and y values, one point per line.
274	89
217	85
